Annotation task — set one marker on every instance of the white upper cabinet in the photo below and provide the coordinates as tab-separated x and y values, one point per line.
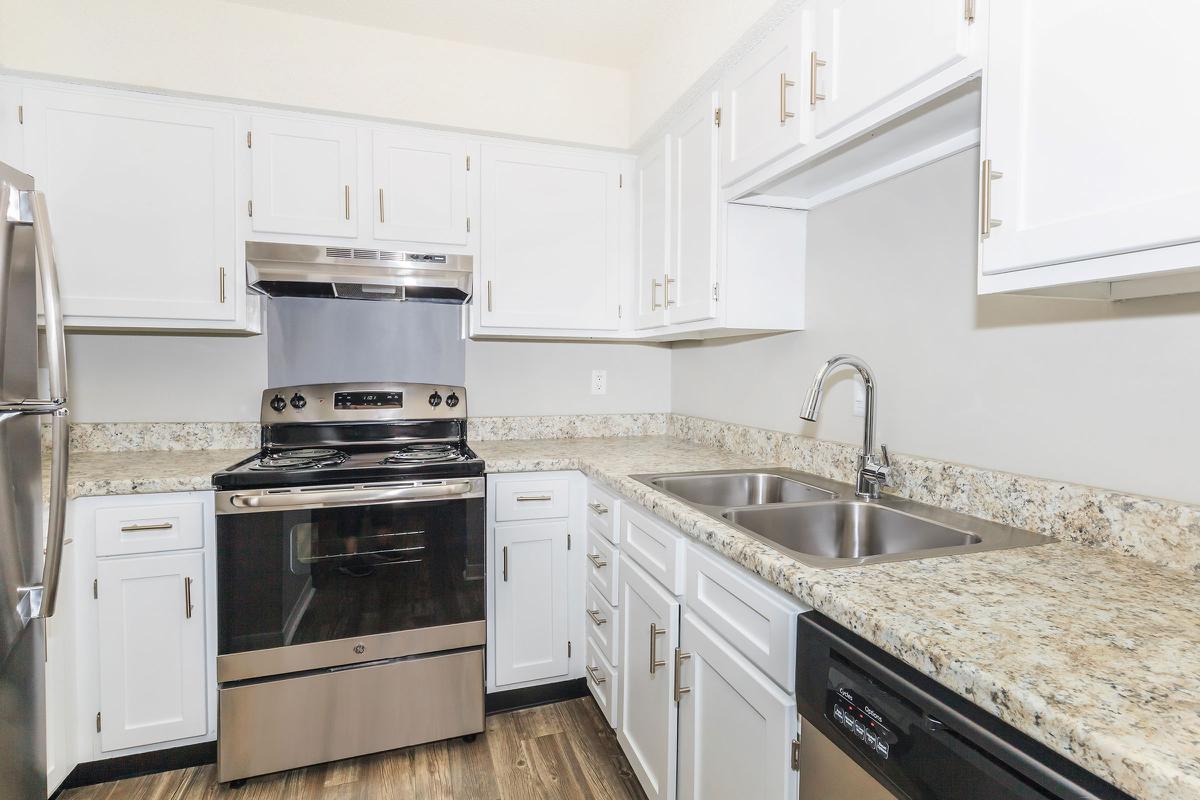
869	51
420	187
764	100
653	236
550	236
691	290
141	196
1091	148
304	177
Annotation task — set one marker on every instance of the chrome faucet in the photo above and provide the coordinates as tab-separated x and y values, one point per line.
874	471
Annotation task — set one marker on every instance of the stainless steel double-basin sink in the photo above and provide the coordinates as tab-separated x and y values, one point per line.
822	523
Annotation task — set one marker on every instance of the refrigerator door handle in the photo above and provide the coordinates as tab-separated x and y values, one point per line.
38	600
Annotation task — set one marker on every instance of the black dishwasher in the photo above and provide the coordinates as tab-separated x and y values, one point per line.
874	727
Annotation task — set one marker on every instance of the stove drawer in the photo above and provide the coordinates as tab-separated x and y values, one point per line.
538	498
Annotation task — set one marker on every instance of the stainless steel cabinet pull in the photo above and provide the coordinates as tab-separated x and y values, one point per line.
654	287
597	560
596	618
784	83
667	281
381	204
680	657
813	62
489	295
655	632
591	671
986	176
157	526
505	551
347	201
534	498
187	598
599	508
221	282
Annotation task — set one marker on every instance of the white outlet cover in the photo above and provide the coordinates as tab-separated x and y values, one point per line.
599	381
860	398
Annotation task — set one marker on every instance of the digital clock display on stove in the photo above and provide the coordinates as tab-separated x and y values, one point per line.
351	400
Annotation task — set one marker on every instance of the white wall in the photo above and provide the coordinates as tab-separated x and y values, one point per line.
694	37
520	378
241	52
1095	393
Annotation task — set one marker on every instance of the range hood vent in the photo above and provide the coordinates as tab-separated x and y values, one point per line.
302	270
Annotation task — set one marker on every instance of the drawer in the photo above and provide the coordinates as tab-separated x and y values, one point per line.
603	513
602	682
149	528
522	498
603	623
603	563
654	547
754	617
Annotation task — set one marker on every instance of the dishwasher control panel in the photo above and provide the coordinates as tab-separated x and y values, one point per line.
858	719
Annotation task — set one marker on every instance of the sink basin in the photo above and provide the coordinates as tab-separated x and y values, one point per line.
848	531
726	489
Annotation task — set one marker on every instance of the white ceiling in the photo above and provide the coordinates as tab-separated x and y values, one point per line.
606	32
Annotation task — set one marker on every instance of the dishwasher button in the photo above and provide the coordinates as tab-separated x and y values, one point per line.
882	748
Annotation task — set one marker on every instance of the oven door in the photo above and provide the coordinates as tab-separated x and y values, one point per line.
332	575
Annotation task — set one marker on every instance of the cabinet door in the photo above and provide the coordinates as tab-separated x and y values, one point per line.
735	725
648	722
142	203
550	238
653	240
304	177
694	214
532	601
420	188
876	49
1096	154
152	661
765	109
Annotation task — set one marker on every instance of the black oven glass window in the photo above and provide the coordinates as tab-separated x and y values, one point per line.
304	576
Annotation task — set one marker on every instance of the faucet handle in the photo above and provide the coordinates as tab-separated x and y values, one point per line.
887	459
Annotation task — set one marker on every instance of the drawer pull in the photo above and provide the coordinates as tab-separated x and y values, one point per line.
591	671
597	561
599	508
534	498
187	598
680	657
157	526
596	618
655	632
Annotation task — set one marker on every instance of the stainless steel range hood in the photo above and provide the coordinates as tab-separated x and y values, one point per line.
303	270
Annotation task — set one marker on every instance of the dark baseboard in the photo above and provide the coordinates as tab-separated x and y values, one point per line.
113	769
531	696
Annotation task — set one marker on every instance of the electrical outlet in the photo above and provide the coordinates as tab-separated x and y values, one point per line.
599	381
860	398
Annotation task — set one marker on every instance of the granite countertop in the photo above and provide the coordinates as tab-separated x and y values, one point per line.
1095	654
142	471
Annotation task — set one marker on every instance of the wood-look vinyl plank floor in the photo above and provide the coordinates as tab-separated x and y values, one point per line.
563	751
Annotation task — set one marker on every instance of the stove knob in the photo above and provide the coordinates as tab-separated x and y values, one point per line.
451	400
435	399
278	404
298	401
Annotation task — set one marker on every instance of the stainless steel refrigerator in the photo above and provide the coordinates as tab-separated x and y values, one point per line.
29	558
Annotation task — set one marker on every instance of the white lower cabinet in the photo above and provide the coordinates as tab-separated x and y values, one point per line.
152	667
736	727
532	601
603	681
647	721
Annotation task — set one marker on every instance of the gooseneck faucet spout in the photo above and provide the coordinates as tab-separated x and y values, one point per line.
874	471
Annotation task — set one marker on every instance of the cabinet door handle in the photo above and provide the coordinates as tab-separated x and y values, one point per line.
591	671
667	281
654	287
599	508
655	632
489	295
187	598
597	561
347	201
505	551
596	618
157	526
680	657
381	204
986	176
784	83
814	61
221	282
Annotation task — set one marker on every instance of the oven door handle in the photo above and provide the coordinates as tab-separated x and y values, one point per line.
350	497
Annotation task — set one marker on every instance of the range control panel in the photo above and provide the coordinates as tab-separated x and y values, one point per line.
357	402
860	721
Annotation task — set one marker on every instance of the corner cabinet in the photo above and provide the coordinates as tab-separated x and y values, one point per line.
1088	185
550	255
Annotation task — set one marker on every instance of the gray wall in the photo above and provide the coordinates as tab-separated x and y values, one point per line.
1088	392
